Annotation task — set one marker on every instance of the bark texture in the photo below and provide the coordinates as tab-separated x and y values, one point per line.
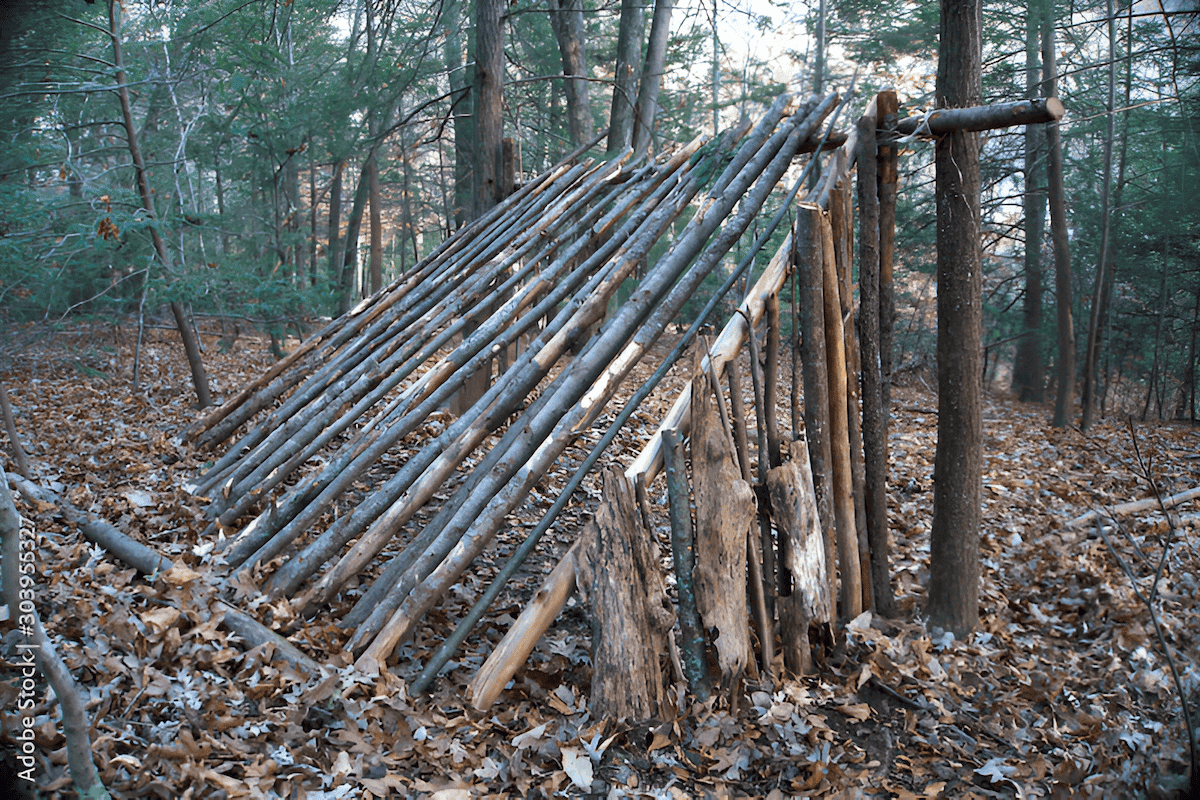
958	460
874	415
725	516
566	17
804	597
489	96
632	612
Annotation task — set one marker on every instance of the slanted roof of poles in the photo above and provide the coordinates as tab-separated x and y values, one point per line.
528	288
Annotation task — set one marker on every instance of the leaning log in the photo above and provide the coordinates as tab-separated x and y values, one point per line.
982	118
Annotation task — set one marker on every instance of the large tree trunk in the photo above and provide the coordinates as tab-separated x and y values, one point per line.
958	459
1091	351
652	72
629	57
1064	400
489	96
462	113
566	17
1028	370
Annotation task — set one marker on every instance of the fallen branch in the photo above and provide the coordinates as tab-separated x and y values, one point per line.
149	562
42	652
10	425
1135	506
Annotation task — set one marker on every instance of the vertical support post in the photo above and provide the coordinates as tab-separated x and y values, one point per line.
839	434
873	413
810	261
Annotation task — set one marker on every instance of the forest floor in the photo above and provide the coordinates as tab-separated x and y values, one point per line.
1065	689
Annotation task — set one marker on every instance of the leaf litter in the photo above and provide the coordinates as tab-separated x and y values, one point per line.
1063	691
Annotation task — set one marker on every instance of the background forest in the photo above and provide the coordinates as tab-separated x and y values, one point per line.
300	155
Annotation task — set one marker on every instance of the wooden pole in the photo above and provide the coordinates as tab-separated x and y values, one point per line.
873	412
839	432
810	270
888	105
842	219
683	550
982	118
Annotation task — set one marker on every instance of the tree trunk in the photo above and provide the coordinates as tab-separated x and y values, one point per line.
1158	336
1028	367
818	76
335	223
375	268
462	113
652	72
889	179
489	97
629	58
958	459
186	333
350	278
566	17
1064	400
1091	352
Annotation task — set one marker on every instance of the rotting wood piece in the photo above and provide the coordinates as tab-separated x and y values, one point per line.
726	512
633	614
804	599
